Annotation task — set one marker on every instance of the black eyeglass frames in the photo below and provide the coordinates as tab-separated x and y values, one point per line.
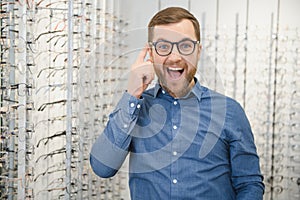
164	48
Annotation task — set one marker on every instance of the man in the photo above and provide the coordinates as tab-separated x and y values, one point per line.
185	141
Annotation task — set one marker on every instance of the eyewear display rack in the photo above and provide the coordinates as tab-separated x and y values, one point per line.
61	69
260	68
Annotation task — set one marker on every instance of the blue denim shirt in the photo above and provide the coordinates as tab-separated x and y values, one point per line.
196	147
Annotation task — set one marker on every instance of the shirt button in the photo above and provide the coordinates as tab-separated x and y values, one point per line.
125	126
132	105
174	181
163	92
138	106
175	103
174	127
174	153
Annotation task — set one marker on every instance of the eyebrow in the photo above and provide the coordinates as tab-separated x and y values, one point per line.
186	38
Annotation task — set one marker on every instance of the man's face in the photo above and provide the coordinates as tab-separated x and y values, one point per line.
176	71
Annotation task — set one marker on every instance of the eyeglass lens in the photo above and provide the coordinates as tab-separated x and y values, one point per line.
185	47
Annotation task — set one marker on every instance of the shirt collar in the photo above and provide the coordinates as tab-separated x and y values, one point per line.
197	91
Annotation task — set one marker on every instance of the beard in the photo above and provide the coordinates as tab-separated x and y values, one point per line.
178	88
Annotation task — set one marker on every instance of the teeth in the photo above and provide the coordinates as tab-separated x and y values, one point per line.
175	69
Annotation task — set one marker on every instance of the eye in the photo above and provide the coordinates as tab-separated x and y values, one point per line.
163	46
186	45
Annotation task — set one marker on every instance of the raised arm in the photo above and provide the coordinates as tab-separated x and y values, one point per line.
112	146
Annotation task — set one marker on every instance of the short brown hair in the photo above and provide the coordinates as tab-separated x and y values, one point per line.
172	15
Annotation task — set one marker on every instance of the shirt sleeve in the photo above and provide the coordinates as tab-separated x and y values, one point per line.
246	176
111	147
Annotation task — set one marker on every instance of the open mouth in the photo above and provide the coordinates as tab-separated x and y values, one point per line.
175	72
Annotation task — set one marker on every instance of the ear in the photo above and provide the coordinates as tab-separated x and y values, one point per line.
150	52
199	51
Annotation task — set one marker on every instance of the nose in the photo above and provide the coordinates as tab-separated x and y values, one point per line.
175	55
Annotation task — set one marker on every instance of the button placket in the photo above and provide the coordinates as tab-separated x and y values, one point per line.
175	123
174	151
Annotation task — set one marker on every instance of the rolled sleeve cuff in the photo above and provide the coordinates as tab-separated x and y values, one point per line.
127	111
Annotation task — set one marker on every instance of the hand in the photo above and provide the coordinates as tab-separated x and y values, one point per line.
141	74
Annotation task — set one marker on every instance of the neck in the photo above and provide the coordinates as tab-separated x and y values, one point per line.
179	93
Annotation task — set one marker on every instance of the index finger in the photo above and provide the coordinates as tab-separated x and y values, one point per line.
142	54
